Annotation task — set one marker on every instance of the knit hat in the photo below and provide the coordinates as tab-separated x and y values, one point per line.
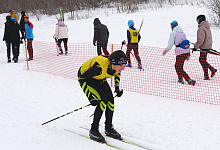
8	17
23	13
130	23
201	18
118	58
173	24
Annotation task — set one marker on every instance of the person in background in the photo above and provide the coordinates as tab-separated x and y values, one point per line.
29	36
17	35
101	35
177	36
13	14
61	35
204	43
133	37
10	38
22	25
92	78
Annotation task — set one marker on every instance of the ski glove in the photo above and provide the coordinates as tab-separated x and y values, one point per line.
118	91
94	44
6	43
164	52
94	101
194	50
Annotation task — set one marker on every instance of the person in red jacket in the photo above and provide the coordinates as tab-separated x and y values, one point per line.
29	36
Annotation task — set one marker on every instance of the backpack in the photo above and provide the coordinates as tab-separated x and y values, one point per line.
184	44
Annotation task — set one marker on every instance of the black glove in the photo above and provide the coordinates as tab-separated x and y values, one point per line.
118	91
94	102
123	42
194	49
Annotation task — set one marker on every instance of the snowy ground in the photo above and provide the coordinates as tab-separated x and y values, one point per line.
27	99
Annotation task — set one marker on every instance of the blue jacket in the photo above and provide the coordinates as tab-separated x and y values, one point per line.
29	30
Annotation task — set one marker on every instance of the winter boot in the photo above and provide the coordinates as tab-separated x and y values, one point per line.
181	81
139	66
128	65
61	52
191	82
206	78
112	133
66	52
213	72
9	60
96	136
15	60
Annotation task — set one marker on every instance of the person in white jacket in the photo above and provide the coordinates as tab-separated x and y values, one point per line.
61	34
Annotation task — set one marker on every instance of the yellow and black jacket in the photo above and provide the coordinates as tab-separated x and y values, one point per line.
98	68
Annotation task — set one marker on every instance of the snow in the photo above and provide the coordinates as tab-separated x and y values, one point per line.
28	98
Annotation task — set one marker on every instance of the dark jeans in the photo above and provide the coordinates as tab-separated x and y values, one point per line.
14	50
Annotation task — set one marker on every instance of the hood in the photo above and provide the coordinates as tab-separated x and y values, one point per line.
96	21
204	24
13	12
178	29
61	24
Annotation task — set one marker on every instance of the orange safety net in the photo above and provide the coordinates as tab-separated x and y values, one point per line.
158	76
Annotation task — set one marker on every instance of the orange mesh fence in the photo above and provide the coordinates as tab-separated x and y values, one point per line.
158	76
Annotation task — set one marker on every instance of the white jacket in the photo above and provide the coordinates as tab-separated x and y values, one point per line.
61	32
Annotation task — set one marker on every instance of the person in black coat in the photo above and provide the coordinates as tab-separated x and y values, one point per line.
22	23
17	34
10	38
101	35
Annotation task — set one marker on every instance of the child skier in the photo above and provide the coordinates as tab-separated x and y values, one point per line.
92	78
133	37
177	36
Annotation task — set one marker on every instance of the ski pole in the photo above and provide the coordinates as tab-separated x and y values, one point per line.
66	114
57	46
140	26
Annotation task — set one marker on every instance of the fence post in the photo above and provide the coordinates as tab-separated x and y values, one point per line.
25	45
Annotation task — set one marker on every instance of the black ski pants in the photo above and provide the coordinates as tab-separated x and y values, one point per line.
99	91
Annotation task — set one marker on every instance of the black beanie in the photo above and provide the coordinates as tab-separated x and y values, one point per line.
23	13
201	18
118	58
8	17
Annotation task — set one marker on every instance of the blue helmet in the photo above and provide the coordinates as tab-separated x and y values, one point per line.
172	23
130	23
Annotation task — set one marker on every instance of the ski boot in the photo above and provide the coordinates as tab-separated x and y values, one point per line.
128	65
96	136
112	133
